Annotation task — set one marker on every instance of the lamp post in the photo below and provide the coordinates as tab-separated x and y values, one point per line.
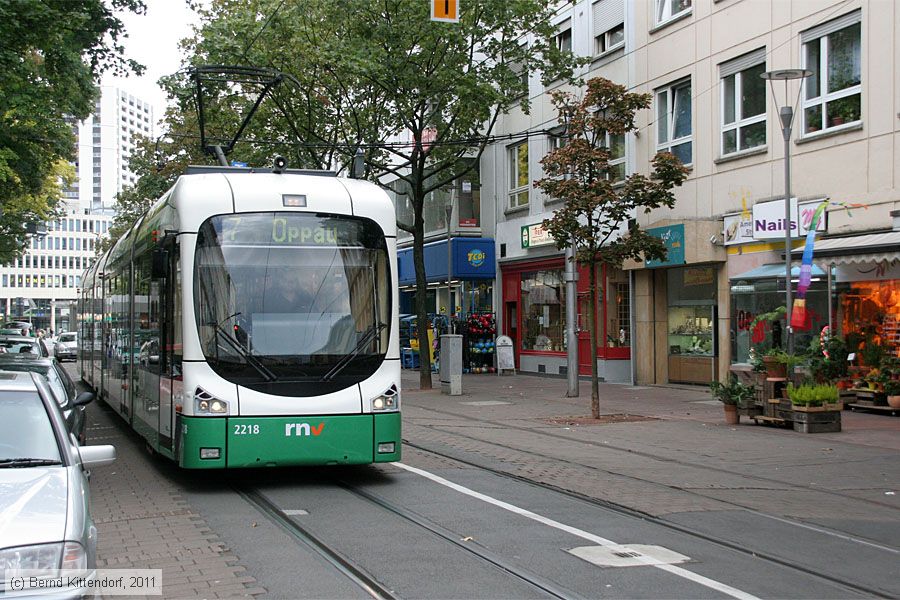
571	275
448	209
786	113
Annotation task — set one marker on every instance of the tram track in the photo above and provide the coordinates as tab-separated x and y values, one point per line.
632	452
369	582
352	571
623	510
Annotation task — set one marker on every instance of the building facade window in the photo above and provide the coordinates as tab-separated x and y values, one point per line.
833	93
743	103
669	9
673	121
610	40
564	37
519	183
616	145
543	311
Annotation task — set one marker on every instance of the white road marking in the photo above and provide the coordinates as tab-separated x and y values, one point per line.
486	403
677	571
295	512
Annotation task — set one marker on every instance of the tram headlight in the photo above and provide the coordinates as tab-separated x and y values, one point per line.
388	401
207	404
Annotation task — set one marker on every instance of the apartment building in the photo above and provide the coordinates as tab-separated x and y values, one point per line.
687	319
42	286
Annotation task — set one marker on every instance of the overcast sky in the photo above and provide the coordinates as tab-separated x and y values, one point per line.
153	41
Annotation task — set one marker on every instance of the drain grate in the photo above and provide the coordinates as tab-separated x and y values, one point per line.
634	555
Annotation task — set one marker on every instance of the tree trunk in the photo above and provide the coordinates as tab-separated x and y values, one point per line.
422	324
595	331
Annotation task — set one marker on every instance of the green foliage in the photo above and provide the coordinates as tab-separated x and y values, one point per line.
368	74
733	392
596	209
872	353
594	218
50	61
813	395
832	367
892	387
152	183
789	360
773	315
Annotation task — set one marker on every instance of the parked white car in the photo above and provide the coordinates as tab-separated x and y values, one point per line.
44	497
66	346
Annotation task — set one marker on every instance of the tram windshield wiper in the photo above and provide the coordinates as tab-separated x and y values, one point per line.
367	337
251	360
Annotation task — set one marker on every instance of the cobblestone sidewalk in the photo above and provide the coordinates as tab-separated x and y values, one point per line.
143	523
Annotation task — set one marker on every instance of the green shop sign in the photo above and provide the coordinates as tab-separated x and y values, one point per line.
673	238
535	235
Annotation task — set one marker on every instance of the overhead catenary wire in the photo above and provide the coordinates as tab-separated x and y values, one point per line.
479	140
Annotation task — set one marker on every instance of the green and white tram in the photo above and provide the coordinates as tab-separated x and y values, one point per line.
249	319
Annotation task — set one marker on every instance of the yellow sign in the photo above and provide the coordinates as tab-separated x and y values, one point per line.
445	10
698	276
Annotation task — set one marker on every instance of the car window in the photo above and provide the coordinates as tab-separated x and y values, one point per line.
65	380
56	384
25	428
67	337
19	348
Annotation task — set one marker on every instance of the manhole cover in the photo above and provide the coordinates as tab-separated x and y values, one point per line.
633	555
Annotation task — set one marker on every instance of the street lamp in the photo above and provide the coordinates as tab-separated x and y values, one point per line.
571	274
448	208
786	113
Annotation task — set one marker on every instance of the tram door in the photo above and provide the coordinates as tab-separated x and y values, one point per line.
146	326
170	338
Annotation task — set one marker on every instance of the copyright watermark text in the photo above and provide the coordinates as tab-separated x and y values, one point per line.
107	582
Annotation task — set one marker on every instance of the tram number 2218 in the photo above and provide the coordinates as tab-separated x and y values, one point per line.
243	429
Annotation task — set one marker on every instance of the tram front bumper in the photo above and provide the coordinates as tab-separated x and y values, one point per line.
240	442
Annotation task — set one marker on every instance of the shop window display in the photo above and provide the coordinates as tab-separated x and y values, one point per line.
749	299
543	311
871	309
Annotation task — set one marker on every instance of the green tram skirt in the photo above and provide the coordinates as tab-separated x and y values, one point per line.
239	442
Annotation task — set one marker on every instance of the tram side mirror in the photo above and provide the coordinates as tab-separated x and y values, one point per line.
160	264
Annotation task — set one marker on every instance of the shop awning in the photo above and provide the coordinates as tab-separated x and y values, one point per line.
853	250
776	271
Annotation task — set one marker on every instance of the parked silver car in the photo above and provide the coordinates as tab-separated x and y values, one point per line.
20	344
66	346
44	497
71	402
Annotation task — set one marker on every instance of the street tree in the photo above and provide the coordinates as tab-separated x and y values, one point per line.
419	99
598	215
51	59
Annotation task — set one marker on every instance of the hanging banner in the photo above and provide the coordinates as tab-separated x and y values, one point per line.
799	317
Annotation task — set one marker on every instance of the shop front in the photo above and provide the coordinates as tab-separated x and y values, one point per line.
681	327
865	294
472	276
534	316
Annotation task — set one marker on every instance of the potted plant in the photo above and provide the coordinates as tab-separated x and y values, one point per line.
816	408
733	395
892	389
872	353
774	367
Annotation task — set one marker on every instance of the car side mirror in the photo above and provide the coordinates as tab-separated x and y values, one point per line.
84	398
97	456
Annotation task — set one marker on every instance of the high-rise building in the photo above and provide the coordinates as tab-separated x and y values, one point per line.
42	286
106	140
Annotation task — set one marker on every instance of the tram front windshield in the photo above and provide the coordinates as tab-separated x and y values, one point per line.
292	304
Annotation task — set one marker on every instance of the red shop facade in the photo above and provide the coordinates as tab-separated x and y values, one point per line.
533	308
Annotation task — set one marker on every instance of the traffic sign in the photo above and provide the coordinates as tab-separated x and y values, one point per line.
445	10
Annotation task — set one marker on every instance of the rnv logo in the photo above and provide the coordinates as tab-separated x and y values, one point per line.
302	429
